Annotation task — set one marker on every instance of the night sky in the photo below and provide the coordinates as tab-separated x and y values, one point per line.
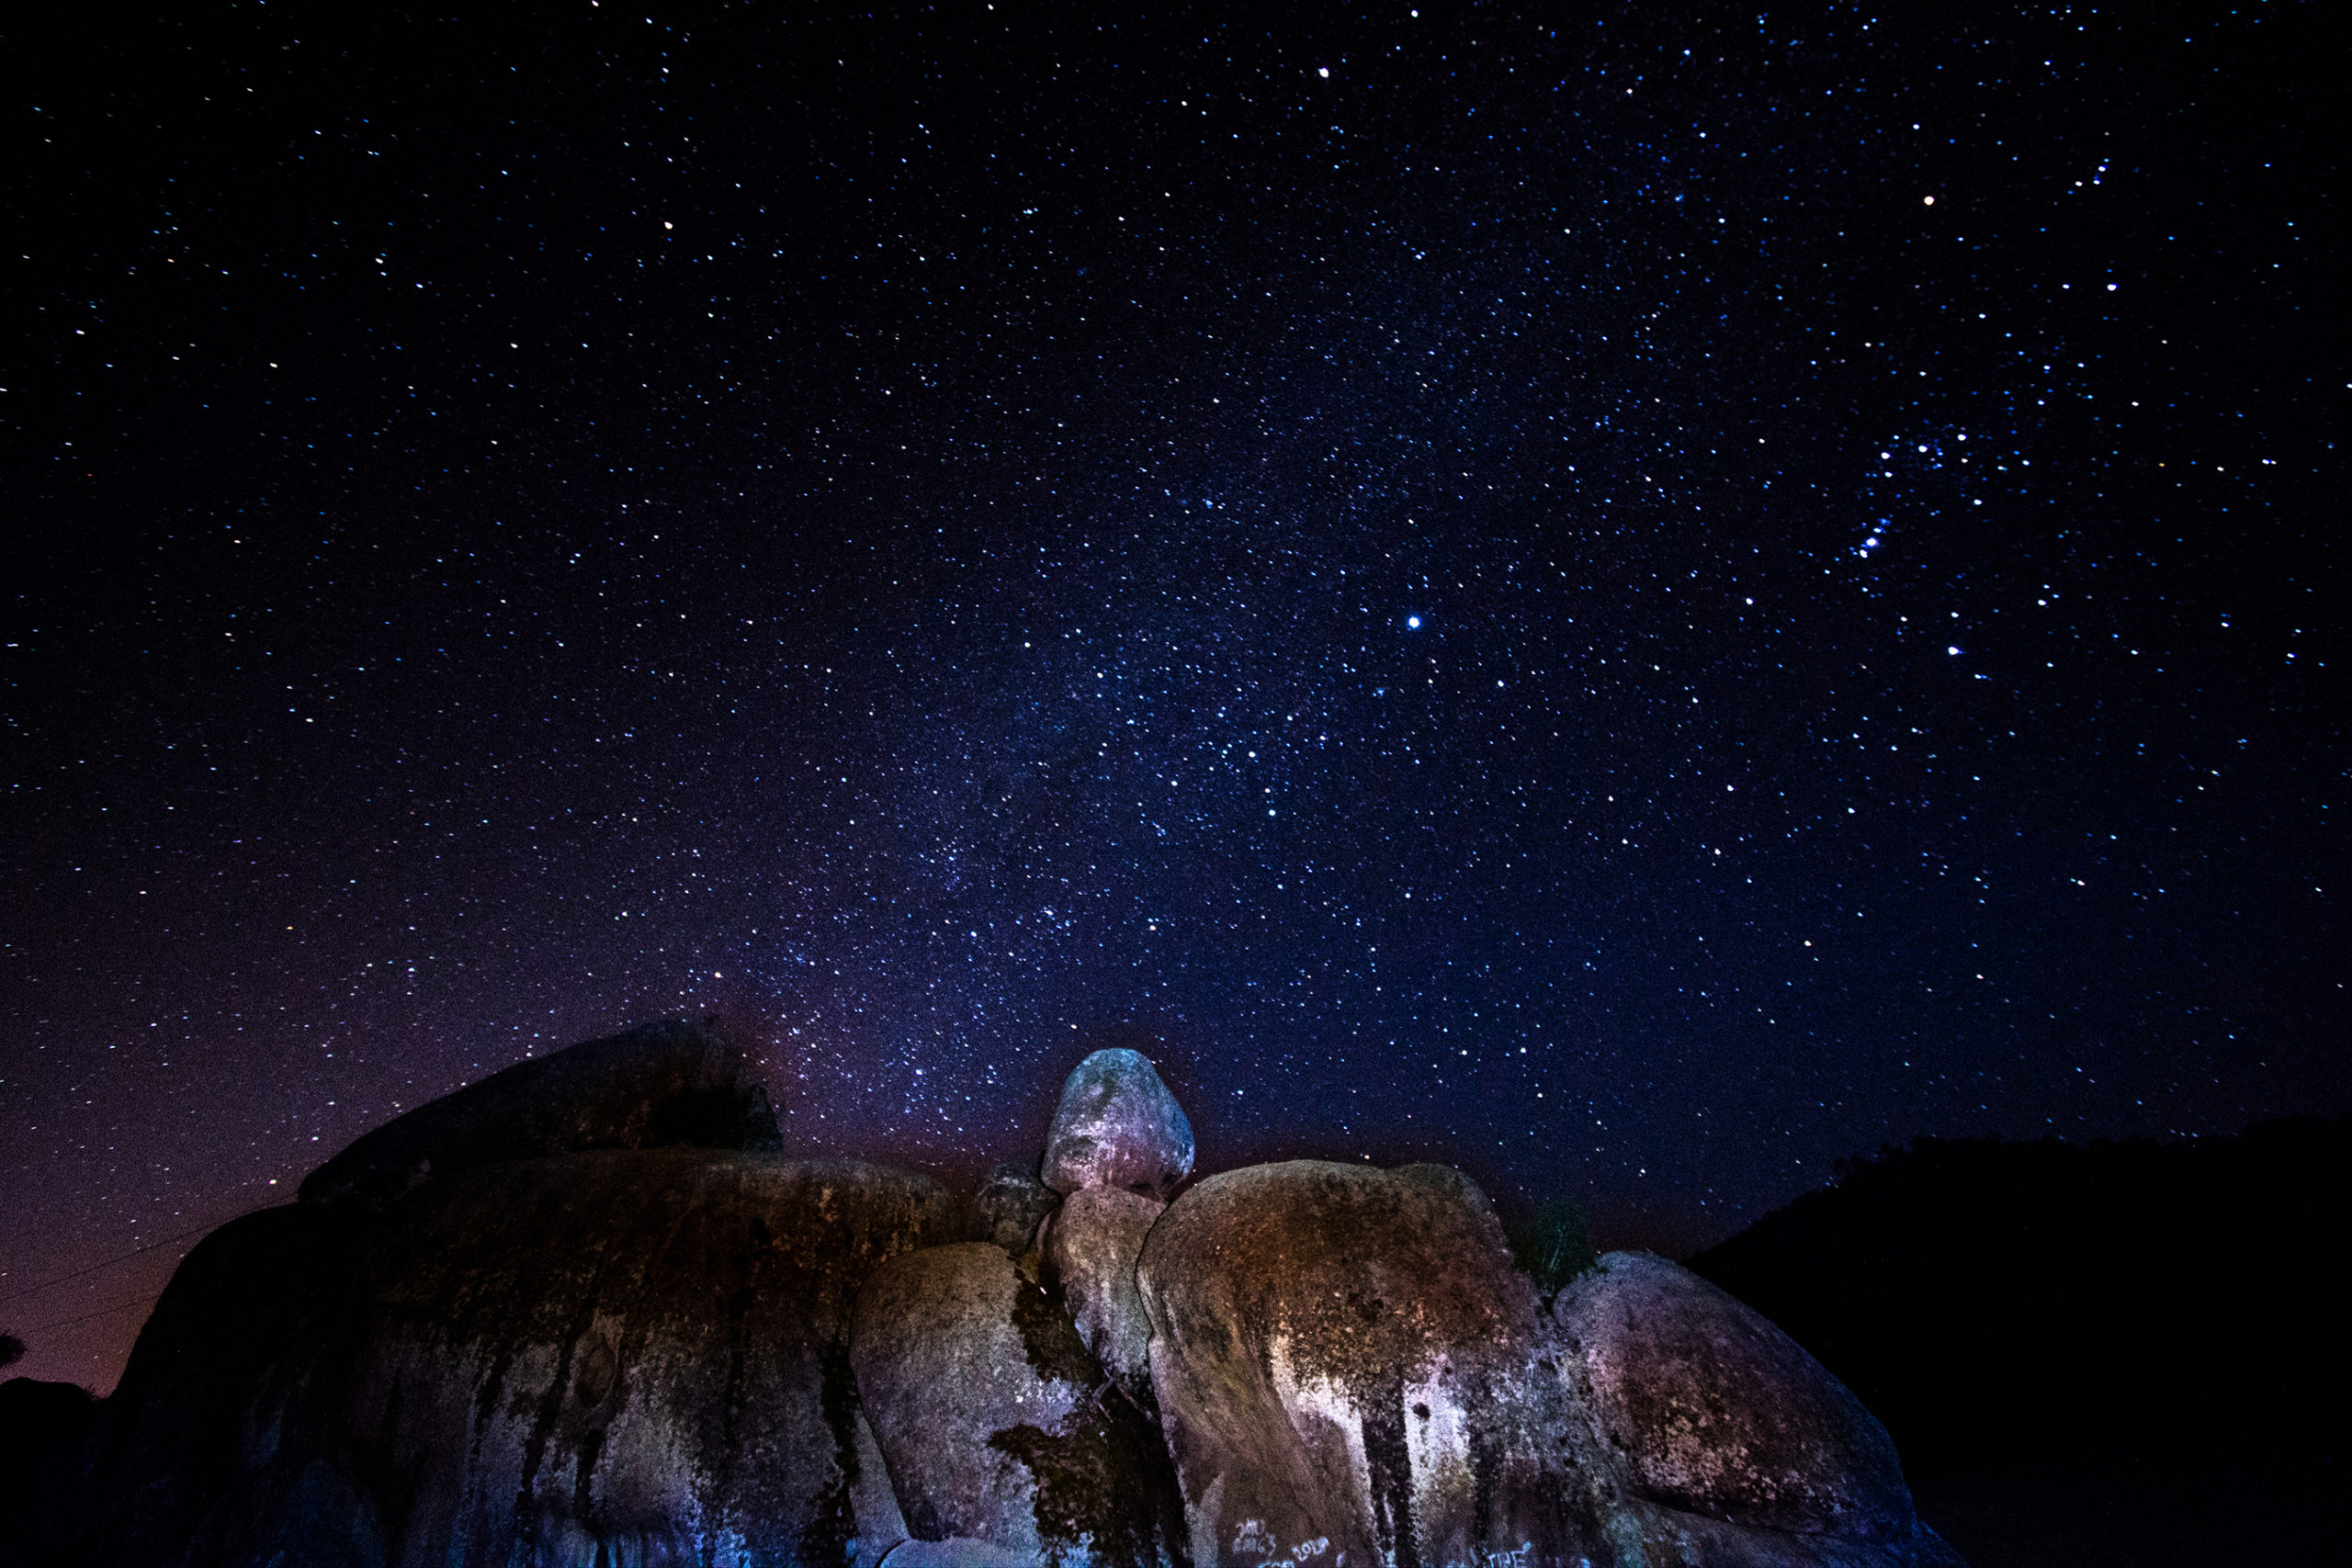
1634	600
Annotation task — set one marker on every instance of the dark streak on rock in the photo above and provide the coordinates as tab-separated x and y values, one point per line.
549	1411
1388	1458
832	1524
1106	1493
1049	1339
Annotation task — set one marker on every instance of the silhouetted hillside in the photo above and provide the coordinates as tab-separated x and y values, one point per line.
1993	1300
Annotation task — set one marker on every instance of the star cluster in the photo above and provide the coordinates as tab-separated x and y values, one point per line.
1637	603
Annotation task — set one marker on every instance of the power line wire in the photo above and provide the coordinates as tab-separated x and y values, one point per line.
127	1256
102	1312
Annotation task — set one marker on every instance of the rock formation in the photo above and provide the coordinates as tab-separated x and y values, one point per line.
662	1084
1350	1371
1010	1206
632	1356
218	1414
586	1312
997	1425
1091	1245
1117	1126
1716	1412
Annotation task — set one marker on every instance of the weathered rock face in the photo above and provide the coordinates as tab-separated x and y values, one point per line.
1090	1251
1717	1411
667	1084
984	1404
1737	1446
1009	1207
652	1353
630	1356
1117	1126
1351	1374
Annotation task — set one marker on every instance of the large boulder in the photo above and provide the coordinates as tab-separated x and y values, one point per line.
1089	1253
1009	1206
1003	1443
1347	1363
632	1356
1714	1413
1117	1126
635	1355
667	1084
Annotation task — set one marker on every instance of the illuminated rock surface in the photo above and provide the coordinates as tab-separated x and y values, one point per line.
637	1353
1718	1412
1090	1251
1117	1126
642	1354
1351	1372
998	1427
656	1352
1731	1438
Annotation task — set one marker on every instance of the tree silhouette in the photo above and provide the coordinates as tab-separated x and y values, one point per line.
11	1349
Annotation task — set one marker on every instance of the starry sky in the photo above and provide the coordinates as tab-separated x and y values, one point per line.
1638	599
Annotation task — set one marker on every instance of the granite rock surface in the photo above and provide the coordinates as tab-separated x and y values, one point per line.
1091	1245
1117	1125
1351	1373
1000	1434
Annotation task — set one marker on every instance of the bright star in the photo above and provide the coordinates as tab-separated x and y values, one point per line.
1412	623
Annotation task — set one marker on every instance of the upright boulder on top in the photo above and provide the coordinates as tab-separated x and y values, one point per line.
534	1322
1351	1372
1117	1126
667	1084
1002	1443
1714	1413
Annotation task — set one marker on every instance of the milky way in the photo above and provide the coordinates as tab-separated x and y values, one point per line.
1637	604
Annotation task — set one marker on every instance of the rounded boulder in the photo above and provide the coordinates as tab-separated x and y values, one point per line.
668	1084
1714	1410
1349	1371
1117	1125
